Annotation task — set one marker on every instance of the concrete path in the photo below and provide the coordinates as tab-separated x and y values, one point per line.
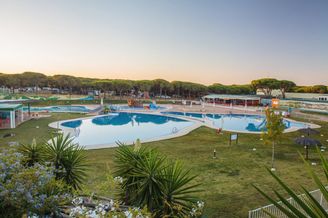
317	117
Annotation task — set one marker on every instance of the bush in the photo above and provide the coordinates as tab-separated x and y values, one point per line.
29	189
69	160
33	153
149	180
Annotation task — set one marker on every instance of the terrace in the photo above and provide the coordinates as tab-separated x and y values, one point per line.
243	100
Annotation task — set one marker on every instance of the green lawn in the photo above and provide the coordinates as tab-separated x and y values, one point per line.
25	132
315	113
226	181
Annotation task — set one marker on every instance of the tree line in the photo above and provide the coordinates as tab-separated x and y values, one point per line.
157	87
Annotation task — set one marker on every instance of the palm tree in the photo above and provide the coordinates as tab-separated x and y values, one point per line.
306	206
178	191
69	159
33	153
129	161
149	180
75	166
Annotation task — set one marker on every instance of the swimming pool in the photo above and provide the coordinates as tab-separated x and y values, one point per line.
64	108
105	131
237	122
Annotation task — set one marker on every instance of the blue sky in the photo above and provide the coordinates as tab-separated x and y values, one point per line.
225	41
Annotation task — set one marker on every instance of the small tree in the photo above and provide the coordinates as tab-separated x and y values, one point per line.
274	130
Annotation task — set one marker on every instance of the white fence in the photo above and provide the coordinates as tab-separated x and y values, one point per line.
259	212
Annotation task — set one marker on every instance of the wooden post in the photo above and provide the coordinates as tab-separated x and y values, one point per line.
307	152
230	140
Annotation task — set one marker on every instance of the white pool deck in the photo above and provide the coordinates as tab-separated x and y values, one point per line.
197	122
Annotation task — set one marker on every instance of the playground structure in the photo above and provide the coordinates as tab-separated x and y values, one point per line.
134	103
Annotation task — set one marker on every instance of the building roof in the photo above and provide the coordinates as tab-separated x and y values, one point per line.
234	97
10	107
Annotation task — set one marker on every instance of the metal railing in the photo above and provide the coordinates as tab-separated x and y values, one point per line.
260	212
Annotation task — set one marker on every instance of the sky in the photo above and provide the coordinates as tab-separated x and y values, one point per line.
218	41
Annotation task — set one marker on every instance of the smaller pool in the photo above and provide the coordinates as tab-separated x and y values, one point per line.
64	108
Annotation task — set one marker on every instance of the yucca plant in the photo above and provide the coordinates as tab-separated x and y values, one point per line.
126	159
307	205
33	153
75	166
147	172
149	180
178	191
140	169
69	159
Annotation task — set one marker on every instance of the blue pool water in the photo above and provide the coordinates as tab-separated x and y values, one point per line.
76	109
123	127
236	122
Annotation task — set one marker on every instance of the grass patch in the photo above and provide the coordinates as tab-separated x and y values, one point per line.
226	180
323	113
25	132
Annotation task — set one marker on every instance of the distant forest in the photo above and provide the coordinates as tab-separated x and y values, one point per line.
156	87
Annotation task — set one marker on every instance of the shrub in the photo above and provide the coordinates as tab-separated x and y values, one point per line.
28	189
69	159
148	179
33	153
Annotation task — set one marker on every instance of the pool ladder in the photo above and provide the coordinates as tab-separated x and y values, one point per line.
174	130
77	132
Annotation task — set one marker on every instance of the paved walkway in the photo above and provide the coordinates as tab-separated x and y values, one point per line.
216	109
317	117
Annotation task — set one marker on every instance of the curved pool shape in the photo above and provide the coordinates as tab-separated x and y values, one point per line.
237	122
106	131
74	109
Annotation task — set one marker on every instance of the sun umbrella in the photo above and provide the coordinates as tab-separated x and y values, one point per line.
307	142
309	131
